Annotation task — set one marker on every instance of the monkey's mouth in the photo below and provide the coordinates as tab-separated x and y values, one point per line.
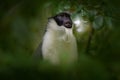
68	25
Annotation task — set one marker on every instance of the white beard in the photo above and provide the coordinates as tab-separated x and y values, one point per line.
59	44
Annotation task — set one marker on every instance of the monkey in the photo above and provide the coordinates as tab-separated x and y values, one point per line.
58	43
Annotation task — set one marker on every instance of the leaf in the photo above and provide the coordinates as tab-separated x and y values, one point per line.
108	22
98	22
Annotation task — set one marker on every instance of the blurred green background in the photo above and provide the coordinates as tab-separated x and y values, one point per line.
22	25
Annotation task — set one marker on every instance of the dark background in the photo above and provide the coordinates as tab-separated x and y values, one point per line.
22	24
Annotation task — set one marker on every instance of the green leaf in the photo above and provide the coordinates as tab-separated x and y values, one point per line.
98	22
108	22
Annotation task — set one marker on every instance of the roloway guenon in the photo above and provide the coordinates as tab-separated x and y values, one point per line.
59	44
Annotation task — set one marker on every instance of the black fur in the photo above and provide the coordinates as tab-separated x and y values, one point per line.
63	19
38	52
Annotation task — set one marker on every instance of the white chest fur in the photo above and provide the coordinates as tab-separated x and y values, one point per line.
59	45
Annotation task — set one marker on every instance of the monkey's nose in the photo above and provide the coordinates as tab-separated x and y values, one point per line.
68	25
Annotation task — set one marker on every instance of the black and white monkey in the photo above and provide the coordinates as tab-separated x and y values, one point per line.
59	44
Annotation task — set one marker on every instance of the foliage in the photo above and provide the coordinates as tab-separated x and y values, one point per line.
22	25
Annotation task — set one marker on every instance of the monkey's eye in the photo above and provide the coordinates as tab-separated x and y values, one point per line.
67	15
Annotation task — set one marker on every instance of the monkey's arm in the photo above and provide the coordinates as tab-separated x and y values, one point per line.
38	52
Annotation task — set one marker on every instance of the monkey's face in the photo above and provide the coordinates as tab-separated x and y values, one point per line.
63	19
